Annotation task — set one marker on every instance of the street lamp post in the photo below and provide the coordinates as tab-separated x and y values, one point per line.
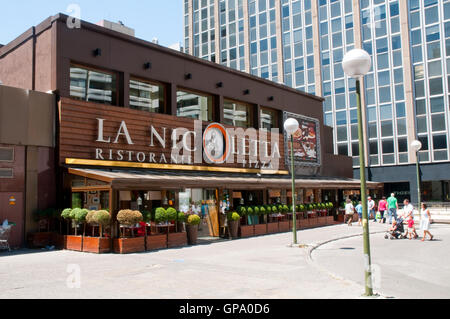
417	146
291	126
356	64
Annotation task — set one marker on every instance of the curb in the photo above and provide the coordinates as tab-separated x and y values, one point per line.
311	262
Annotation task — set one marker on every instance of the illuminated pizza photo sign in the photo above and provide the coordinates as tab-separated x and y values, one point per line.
306	141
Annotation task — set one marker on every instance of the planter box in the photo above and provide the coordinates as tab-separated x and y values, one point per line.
283	226
129	245
330	220
321	221
39	240
73	243
313	222
260	229
247	231
272	228
96	245
177	240
155	242
60	241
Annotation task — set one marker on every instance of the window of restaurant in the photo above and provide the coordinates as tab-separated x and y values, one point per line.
93	85
194	105
6	154
269	119
147	96
237	114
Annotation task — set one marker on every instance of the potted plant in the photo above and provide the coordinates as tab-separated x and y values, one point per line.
283	224
100	244
233	224
44	236
192	228
175	239
78	217
260	228
127	219
272	222
158	240
248	229
330	217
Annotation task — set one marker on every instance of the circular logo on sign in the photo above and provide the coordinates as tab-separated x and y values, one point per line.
216	143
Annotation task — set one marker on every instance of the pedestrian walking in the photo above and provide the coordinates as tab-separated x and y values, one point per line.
392	207
408	214
359	210
371	207
349	211
425	222
382	207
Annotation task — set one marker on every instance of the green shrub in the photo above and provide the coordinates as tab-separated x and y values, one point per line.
160	215
129	217
310	207
146	216
268	209
280	208
181	217
274	209
250	211
90	217
74	212
256	210
66	213
262	210
285	209
242	210
171	214
102	217
330	205
235	216
80	216
193	220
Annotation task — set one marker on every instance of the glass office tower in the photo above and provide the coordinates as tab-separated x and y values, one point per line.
301	43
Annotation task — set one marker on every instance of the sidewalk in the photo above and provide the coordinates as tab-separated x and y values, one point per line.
260	267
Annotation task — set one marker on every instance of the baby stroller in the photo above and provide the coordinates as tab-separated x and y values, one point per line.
398	232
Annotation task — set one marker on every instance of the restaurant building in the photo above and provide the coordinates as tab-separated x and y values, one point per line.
138	125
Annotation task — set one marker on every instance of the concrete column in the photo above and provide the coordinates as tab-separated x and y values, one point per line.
316	43
217	30
191	27
408	79
358	45
246	36
279	41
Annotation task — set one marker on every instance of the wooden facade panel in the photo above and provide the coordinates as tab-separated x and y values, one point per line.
79	132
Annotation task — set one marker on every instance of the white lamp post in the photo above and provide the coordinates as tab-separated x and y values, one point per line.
356	64
291	126
417	146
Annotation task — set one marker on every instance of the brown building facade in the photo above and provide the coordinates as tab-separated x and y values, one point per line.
124	105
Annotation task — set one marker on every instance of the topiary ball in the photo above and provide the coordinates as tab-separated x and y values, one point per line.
102	217
171	214
90	217
66	213
193	220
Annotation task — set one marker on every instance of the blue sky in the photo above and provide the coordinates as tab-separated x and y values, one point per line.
162	19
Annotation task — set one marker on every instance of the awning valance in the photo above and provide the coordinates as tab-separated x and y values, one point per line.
157	180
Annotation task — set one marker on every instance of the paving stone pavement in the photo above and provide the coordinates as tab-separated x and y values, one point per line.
258	267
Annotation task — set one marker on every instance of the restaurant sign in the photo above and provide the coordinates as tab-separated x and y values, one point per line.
116	136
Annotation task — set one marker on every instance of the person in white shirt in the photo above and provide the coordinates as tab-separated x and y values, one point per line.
349	211
371	207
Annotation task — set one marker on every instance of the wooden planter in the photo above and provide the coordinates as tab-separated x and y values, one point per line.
39	240
96	245
272	228
247	230
260	229
233	226
283	226
330	220
60	241
192	234
177	240
155	242
129	245
73	242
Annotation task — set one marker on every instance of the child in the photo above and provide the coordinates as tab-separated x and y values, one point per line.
359	210
411	229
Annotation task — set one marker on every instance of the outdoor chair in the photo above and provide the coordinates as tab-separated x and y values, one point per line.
4	237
